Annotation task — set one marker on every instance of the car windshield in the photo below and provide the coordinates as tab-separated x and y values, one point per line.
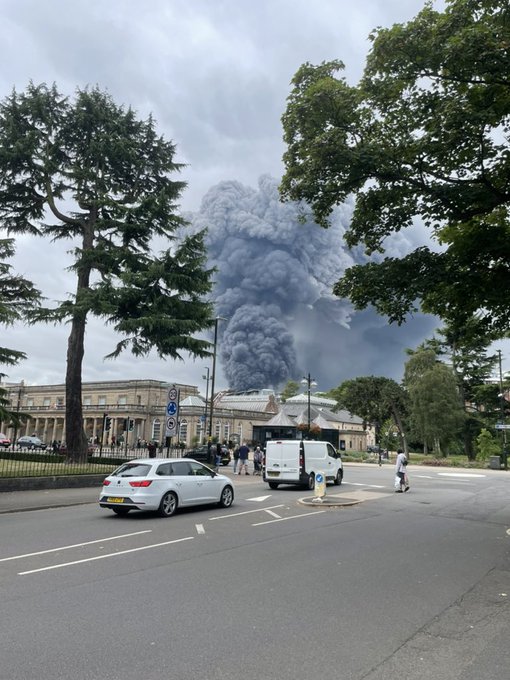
132	470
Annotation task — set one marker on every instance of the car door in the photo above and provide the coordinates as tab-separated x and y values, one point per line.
208	485
184	481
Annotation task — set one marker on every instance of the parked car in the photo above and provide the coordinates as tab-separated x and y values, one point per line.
31	443
201	453
163	485
4	441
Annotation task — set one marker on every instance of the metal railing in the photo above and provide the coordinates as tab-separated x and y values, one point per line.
46	463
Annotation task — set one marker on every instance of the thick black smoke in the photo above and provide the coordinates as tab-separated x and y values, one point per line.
273	285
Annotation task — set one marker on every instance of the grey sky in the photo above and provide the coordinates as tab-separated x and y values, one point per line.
215	74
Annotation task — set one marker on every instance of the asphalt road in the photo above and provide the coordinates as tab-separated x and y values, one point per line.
413	585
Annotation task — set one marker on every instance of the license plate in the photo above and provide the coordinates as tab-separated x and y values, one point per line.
270	473
115	500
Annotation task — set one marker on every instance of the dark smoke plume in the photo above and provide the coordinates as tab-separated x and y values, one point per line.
273	285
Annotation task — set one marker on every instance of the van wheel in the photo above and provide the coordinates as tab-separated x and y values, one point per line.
339	477
311	482
273	485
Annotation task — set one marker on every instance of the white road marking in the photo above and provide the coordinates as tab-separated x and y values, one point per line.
283	519
200	528
103	557
246	512
76	545
371	486
423	476
259	498
273	514
508	532
459	474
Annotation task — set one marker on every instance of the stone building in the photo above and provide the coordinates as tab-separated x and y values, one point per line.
139	402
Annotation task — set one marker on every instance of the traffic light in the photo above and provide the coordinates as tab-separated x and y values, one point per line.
125	424
107	422
131	424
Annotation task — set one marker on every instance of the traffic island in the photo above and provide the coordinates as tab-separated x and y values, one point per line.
329	501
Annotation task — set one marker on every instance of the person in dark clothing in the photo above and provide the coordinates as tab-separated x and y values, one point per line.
244	452
151	447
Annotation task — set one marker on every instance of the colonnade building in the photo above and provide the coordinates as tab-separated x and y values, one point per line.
143	402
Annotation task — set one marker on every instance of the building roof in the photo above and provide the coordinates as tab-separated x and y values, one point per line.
193	400
281	420
258	402
314	399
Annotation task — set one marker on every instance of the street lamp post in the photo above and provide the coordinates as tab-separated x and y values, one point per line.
218	318
309	382
502	408
206	378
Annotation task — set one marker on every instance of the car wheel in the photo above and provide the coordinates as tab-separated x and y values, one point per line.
168	504
273	485
339	477
227	497
121	511
311	482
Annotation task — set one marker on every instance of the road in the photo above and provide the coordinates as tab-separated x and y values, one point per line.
415	585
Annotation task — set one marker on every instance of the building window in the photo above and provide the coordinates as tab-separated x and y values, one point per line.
240	432
156	430
59	402
30	402
47	401
183	431
226	432
122	400
101	401
87	401
217	430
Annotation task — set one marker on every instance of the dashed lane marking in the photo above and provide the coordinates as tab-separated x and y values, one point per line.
103	557
75	545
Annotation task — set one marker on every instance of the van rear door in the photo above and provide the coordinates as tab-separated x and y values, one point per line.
283	461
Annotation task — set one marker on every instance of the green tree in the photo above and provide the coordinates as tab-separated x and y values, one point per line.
424	134
290	390
472	366
436	415
18	297
375	399
92	172
486	445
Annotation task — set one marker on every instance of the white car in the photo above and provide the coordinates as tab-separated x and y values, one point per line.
163	485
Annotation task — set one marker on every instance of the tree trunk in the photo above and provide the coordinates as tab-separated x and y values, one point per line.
76	440
75	436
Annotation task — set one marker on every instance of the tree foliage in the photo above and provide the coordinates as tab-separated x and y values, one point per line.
375	399
92	172
290	390
424	134
18	297
436	413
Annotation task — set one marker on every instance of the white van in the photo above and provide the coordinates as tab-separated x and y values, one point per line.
296	461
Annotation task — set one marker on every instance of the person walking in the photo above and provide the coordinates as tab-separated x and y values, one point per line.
257	461
151	447
236	458
244	452
401	473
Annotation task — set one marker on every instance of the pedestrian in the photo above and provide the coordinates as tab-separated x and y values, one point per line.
401	482
257	461
244	452
218	455
236	458
151	447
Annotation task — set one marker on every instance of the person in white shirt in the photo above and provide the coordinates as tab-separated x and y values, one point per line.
400	471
